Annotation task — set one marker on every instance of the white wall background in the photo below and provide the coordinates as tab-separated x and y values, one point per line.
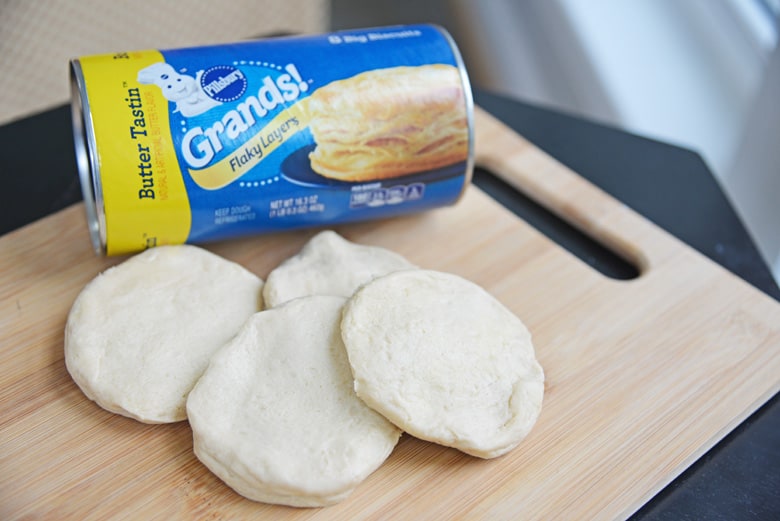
38	38
703	74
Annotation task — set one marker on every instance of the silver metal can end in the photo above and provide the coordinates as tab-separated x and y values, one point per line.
86	158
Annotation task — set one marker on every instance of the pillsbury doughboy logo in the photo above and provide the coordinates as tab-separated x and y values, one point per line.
223	83
184	90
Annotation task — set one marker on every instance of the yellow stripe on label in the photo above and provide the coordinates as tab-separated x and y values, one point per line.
255	149
144	197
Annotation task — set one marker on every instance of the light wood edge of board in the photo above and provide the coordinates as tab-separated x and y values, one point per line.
506	154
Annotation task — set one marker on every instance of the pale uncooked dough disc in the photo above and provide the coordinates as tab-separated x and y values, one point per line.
140	334
275	415
329	265
443	360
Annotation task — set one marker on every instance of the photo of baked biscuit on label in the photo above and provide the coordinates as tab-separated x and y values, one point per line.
388	123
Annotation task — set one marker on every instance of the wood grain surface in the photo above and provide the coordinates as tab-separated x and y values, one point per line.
643	376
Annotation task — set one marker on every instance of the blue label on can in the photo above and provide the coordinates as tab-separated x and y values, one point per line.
292	132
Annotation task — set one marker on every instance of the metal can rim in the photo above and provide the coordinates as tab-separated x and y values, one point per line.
86	158
469	98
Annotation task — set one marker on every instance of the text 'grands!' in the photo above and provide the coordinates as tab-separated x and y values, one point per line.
199	146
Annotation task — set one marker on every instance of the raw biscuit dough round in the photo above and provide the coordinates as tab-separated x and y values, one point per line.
443	360
329	265
140	334
275	415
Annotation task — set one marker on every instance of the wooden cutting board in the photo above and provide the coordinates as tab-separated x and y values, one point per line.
643	376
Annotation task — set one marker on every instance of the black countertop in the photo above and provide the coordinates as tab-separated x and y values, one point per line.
739	479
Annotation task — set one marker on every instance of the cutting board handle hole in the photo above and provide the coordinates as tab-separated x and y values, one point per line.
590	251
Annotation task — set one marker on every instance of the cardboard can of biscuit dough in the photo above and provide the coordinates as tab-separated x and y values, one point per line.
209	143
